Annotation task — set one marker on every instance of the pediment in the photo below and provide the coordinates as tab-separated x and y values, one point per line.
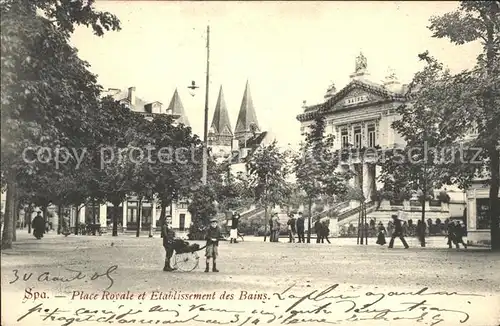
358	93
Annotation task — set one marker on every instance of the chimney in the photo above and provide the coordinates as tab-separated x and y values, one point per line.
131	95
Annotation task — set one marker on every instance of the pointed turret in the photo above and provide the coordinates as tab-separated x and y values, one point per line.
247	119
220	121
177	108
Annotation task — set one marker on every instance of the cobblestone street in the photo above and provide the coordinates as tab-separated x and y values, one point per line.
252	266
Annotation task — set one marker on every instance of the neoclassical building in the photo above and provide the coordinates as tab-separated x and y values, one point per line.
360	116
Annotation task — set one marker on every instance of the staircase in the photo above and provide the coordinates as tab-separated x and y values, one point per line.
352	215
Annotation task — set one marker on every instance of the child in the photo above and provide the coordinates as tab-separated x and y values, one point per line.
168	235
211	250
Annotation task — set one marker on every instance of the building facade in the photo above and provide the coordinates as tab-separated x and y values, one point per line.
236	146
360	117
128	211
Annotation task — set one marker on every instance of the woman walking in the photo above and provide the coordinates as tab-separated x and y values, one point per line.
381	234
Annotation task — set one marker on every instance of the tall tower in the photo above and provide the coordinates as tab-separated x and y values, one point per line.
220	135
176	107
247	124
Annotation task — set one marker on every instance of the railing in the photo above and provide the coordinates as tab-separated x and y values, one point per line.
329	210
355	210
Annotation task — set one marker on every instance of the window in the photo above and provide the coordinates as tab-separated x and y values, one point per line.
344	137
482	216
357	137
182	222
183	205
146	215
89	214
371	136
131	214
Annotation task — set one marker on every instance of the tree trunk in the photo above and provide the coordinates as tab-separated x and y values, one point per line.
44	214
116	209
77	219
59	218
265	224
489	101
494	200
309	222
162	216
9	216
94	220
16	215
28	217
139	213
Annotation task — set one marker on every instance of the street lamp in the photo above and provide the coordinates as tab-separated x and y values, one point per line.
192	89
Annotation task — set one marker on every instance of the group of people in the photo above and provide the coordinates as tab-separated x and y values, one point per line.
456	232
295	227
212	236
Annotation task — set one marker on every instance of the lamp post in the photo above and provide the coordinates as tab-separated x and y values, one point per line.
192	89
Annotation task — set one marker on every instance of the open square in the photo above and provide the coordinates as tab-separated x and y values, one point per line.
253	277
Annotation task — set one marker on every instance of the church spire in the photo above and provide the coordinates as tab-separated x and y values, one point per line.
177	108
220	120
247	119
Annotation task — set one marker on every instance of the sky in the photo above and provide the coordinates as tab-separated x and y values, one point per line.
288	51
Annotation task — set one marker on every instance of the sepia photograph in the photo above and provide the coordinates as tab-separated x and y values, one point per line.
250	163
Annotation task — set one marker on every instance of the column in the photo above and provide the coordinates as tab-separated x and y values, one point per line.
124	217
377	172
103	212
175	215
81	215
367	181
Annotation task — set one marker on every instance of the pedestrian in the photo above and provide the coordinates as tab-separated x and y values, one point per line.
398	232
292	227
459	232
318	228
451	233
38	225
168	235
276	227
325	230
300	228
421	232
271	233
381	234
212	247
233	234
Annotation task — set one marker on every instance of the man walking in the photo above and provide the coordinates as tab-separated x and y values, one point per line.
398	232
276	227
168	235
318	228
300	228
233	234
291	227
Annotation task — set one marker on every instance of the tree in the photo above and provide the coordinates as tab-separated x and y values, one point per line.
465	101
177	156
47	92
315	168
268	169
118	154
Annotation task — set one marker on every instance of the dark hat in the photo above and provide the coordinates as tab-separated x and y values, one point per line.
394	216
